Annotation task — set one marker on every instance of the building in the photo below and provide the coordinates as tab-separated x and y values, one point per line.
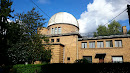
68	45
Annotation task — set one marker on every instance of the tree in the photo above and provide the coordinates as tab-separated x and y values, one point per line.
5	13
128	32
29	48
102	31
114	28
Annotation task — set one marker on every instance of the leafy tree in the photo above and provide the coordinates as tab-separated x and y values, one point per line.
29	48
102	31
114	28
128	32
5	13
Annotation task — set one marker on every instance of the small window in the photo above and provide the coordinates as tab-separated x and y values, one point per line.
88	58
91	44
52	40
100	44
52	30
118	43
68	58
56	30
59	30
117	59
58	40
109	44
84	44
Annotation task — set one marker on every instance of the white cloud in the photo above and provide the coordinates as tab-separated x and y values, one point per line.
100	12
43	1
9	20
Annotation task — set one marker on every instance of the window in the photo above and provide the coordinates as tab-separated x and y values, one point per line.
109	44
117	59
88	58
52	30
68	58
84	44
118	43
55	30
52	40
58	40
100	44
59	30
91	44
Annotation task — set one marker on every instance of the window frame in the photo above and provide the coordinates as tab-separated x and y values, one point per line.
59	32
100	44
118	43
111	44
52	41
83	44
56	30
117	61
87	59
92	44
52	30
58	39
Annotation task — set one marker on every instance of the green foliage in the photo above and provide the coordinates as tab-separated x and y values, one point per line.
5	13
128	32
114	28
30	68
29	47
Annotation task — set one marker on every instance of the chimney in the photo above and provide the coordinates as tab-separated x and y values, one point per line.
124	30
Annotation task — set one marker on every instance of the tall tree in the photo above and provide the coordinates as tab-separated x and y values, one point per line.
5	13
114	28
102	31
30	47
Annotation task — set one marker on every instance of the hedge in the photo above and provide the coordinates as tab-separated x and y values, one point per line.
30	68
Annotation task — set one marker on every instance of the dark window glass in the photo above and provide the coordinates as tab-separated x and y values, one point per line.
52	40
88	58
58	40
68	58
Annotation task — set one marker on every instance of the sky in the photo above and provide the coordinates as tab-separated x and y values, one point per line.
89	13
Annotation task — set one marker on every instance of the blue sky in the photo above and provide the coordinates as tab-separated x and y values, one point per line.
89	13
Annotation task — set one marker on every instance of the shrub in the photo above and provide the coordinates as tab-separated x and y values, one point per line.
30	68
82	61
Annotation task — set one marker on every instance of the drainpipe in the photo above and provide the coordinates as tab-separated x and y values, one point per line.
77	47
63	54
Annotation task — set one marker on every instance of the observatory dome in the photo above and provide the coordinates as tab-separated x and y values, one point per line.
63	18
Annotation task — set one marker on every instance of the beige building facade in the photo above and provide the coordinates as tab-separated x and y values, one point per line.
68	45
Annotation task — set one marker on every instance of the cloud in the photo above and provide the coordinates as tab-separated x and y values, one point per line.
9	20
43	1
101	12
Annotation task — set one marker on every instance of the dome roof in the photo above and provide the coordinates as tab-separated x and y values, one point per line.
63	18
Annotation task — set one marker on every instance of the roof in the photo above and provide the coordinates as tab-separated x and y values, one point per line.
104	37
55	44
64	34
63	18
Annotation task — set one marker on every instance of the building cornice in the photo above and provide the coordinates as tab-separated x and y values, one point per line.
64	34
104	37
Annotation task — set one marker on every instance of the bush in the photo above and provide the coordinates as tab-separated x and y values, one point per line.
30	68
84	61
